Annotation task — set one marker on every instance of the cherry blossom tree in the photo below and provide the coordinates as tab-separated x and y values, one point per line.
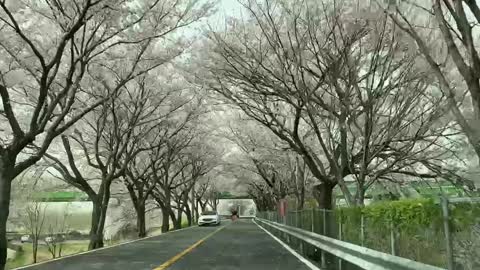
445	33
339	89
63	59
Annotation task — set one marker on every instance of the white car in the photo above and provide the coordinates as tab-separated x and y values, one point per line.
25	238
209	218
49	239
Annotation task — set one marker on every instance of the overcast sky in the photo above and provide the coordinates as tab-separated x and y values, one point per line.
231	7
226	8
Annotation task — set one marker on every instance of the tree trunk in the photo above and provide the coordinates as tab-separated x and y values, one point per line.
300	180
203	206
360	196
5	189
193	202
165	220
197	214
186	209
176	219
139	205
52	248
55	251
99	214
323	194
141	225
103	217
188	213
103	200
94	225
299	203
101	227
302	198
3	236
34	249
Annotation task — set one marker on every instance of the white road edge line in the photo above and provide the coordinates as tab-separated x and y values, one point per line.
98	249
302	259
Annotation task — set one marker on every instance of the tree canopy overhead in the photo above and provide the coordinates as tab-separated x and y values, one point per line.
342	90
296	100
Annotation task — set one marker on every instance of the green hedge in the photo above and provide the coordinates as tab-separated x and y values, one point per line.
417	225
405	214
412	213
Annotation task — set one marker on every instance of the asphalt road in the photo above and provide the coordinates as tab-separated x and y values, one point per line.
242	245
237	245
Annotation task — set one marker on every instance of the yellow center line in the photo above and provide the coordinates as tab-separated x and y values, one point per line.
186	251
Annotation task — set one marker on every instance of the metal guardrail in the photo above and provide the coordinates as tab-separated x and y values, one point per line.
463	199
362	257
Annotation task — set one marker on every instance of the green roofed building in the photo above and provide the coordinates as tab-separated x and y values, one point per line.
61	196
228	195
411	189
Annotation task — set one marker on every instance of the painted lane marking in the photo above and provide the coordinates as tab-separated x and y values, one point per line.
186	251
302	259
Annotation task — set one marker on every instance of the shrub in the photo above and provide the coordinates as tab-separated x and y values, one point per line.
417	225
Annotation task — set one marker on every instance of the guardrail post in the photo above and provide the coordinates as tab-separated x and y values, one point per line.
340	237
448	235
302	250
296	219
362	229
300	219
289	221
313	219
324	223
354	256
393	238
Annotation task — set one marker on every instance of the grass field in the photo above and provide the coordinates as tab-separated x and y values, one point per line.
25	257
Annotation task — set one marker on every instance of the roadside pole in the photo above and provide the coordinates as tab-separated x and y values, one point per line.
448	234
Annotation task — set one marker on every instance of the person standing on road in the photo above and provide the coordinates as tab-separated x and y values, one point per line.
234	215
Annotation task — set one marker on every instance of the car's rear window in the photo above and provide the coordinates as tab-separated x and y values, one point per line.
209	213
